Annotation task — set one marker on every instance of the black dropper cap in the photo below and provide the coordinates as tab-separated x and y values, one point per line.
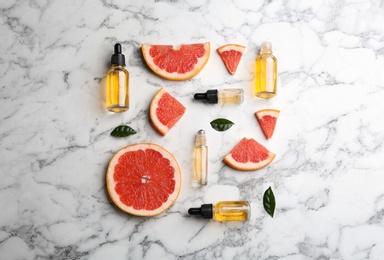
118	57
211	96
206	211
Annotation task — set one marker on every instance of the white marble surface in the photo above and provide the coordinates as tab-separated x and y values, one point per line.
328	175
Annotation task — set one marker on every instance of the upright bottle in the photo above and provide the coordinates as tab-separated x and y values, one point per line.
266	72
224	211
200	162
117	83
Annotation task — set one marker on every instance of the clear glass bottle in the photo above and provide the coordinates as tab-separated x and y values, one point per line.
266	72
224	211
117	83
200	160
223	96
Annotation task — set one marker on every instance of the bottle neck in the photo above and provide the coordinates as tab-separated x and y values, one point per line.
117	66
266	48
200	138
265	51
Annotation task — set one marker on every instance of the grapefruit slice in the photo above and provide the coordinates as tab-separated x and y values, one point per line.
267	120
231	55
165	111
176	63
249	155
143	179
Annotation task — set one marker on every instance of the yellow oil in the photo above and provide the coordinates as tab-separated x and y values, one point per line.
200	162
230	96
232	210
266	73
117	89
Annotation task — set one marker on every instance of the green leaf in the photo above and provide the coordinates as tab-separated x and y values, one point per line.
123	131
269	202
221	124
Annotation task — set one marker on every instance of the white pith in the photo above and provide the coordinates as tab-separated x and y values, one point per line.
229	47
268	112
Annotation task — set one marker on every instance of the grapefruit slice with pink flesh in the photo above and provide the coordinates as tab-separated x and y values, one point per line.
165	111
176	63
231	55
143	179
267	120
249	155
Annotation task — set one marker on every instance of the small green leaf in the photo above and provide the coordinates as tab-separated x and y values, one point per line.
123	131
269	202
221	124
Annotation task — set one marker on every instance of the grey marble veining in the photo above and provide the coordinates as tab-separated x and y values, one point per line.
55	144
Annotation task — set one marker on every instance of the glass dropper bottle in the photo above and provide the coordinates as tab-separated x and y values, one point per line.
117	82
222	96
224	211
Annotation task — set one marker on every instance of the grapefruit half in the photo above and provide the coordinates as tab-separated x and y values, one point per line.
267	120
231	55
249	155
165	111
143	179
176	63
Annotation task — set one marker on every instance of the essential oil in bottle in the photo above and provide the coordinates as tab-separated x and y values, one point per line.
223	96
266	72
118	83
200	160
224	211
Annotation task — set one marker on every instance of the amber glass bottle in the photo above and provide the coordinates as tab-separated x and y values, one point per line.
117	83
224	211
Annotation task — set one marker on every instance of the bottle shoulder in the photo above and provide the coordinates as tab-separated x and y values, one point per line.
267	56
118	69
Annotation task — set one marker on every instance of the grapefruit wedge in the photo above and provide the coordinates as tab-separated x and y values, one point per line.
176	63
249	155
231	55
267	120
143	179
165	111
